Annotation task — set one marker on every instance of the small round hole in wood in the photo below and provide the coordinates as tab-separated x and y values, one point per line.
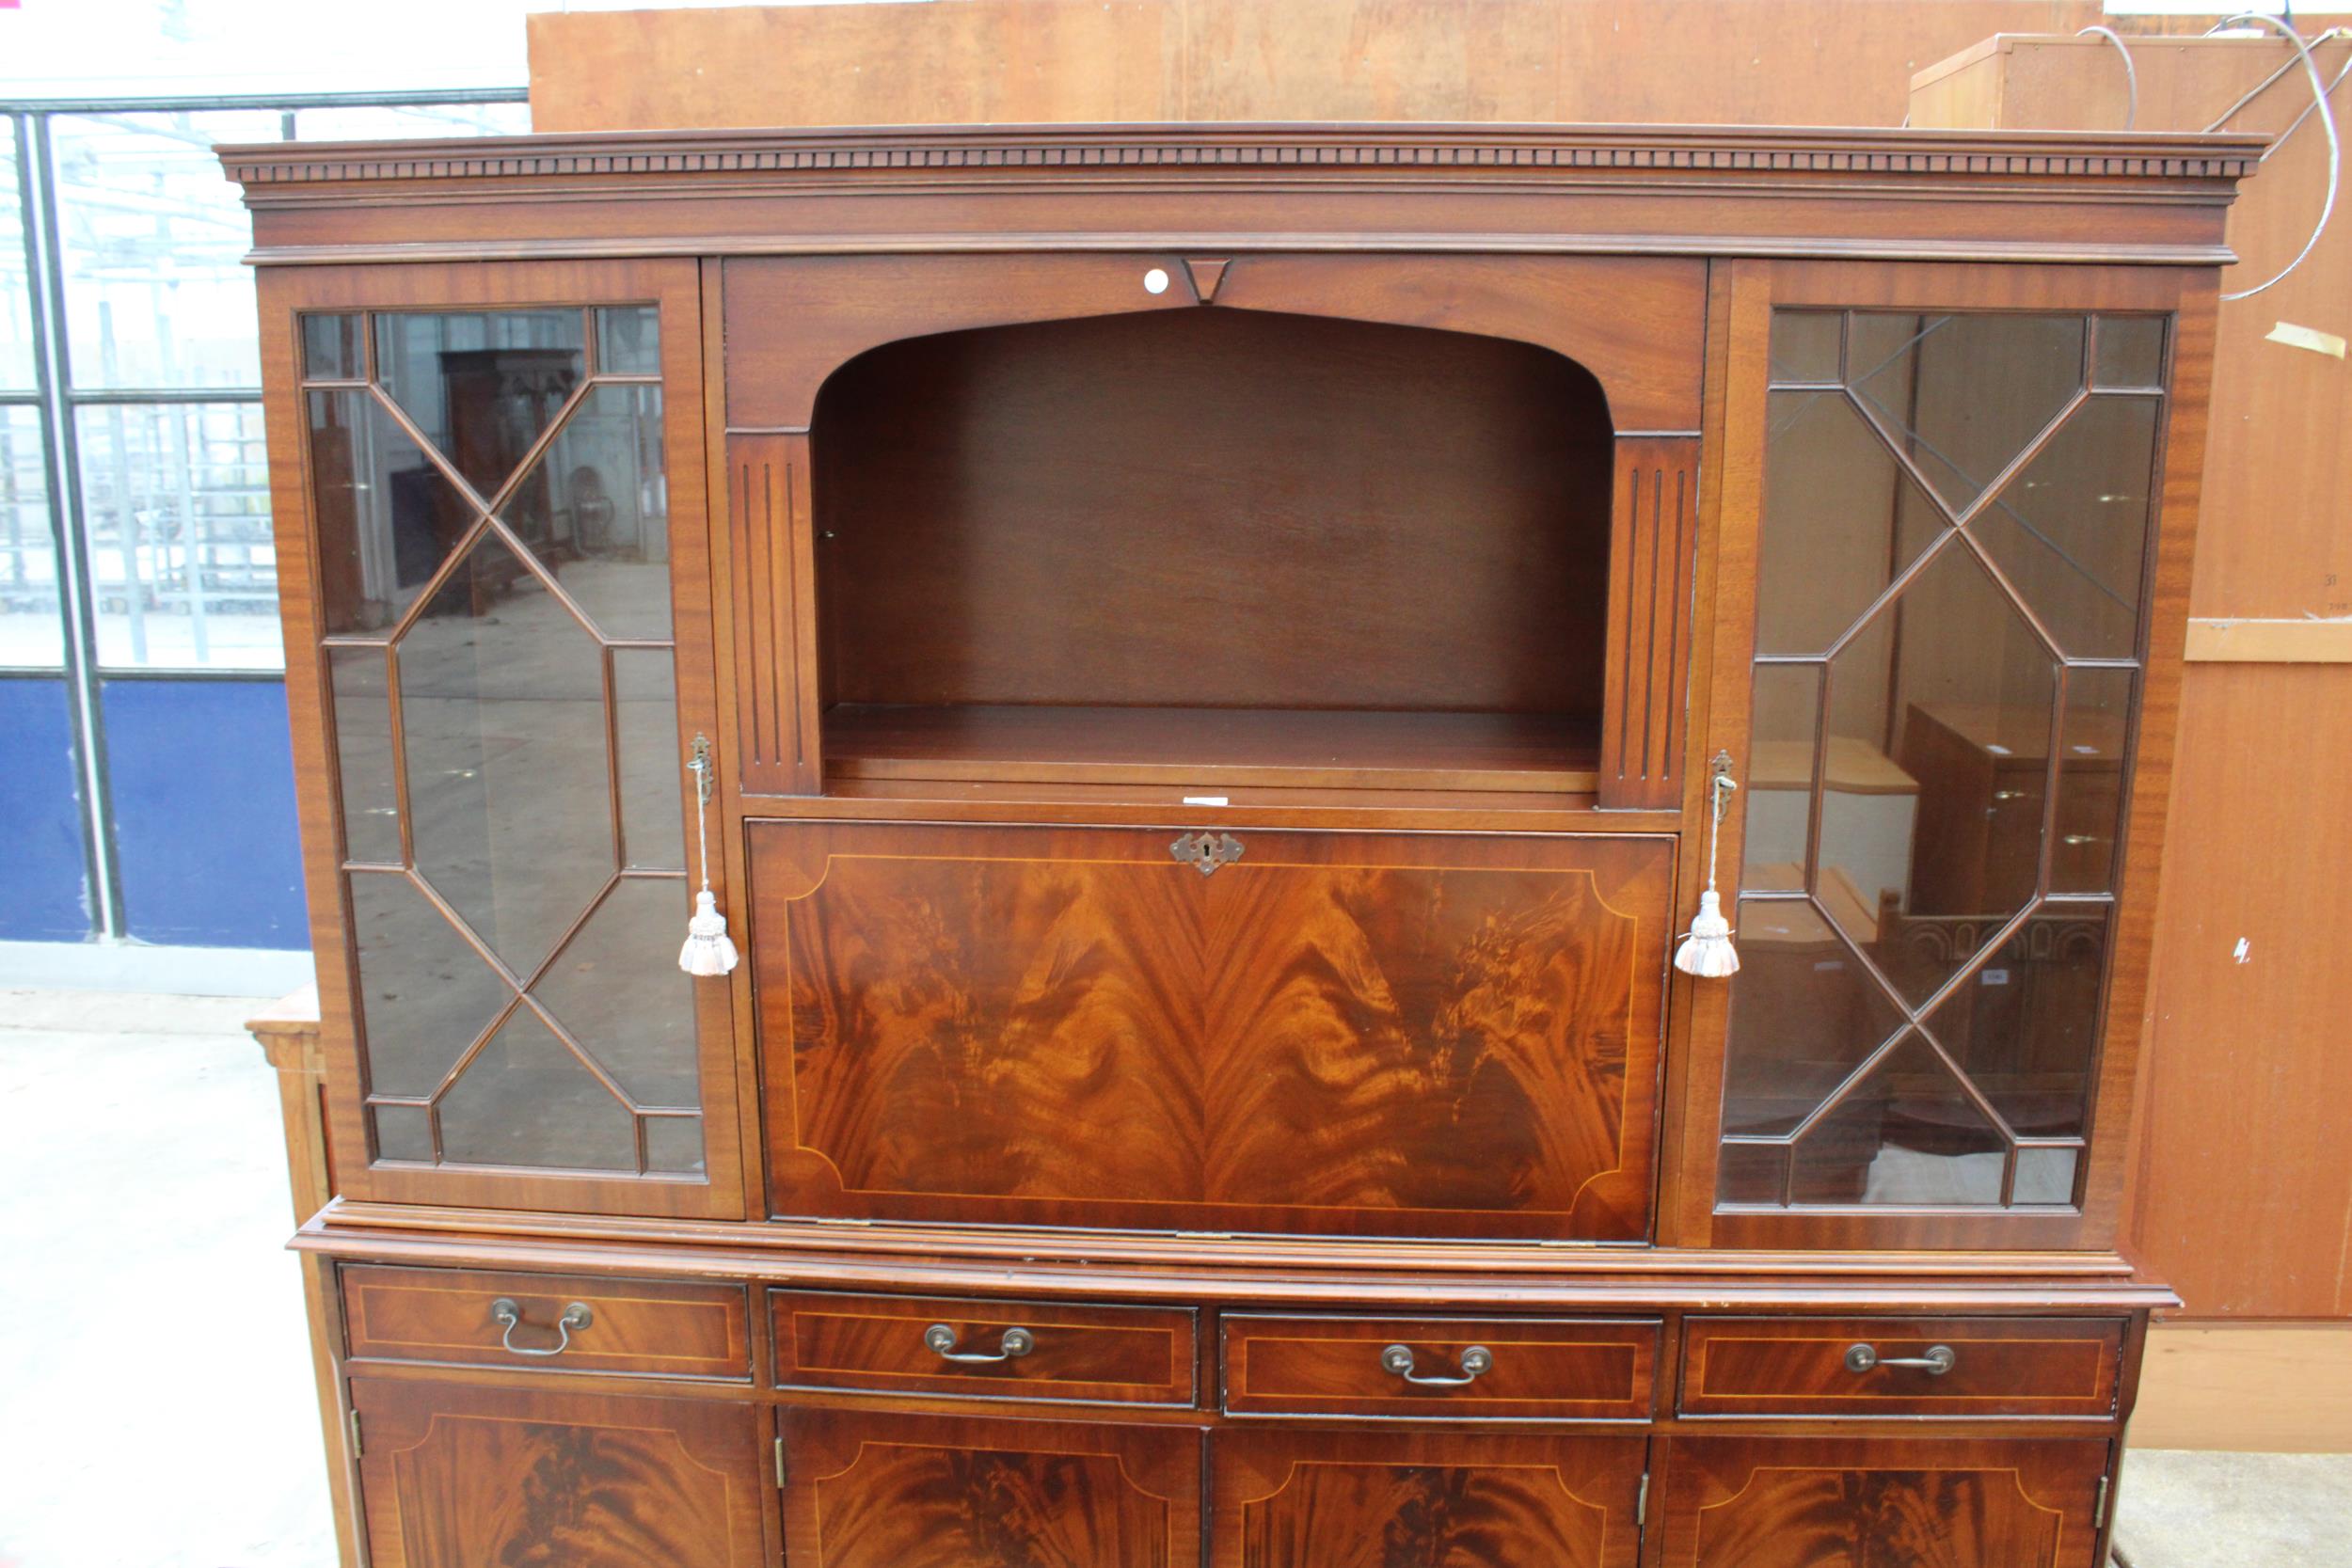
1155	281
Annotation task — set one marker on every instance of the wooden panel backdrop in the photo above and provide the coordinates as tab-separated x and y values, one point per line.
1760	62
2243	1195
2246	1083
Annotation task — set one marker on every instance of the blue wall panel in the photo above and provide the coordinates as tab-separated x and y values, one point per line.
200	776
44	879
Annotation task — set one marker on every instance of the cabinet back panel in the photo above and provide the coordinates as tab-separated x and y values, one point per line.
1213	509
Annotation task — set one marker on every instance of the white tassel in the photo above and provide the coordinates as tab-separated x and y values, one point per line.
708	950
1706	951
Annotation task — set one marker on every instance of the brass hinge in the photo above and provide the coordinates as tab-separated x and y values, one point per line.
779	1463
1640	1504
2099	1510
358	1446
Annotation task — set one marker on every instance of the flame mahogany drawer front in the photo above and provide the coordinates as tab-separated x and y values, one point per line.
1857	1366
548	1322
1492	1369
1023	1349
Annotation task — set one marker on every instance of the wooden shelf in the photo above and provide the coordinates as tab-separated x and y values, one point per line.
1312	748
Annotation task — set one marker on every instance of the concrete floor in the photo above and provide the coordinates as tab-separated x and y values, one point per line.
154	1363
154	1366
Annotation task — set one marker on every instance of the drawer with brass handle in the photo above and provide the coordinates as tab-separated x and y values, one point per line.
1959	1368
549	1322
1482	1369
980	1349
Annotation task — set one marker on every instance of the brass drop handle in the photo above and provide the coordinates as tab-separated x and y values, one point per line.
1939	1360
941	1340
507	1315
1399	1359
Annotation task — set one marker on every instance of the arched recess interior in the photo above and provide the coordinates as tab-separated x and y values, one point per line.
1099	534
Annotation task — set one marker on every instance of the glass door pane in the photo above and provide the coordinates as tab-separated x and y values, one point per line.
1949	629
491	494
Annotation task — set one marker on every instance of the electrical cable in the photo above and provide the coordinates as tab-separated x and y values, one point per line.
2326	123
2131	72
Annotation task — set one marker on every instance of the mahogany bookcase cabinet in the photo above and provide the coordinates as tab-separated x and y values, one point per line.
1215	646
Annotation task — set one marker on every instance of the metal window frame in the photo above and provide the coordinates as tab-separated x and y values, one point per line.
59	402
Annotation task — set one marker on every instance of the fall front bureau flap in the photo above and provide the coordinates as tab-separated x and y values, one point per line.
1390	1035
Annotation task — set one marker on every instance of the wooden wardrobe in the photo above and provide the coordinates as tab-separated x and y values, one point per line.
1225	657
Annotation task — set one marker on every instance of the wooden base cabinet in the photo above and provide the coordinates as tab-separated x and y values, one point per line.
458	1476
886	1491
1330	1500
1206	672
1814	1502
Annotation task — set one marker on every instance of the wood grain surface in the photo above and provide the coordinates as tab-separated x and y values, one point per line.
1556	1370
1789	1367
458	1476
1336	1033
1083	1352
1764	1502
865	1491
1411	1499
1841	62
653	1328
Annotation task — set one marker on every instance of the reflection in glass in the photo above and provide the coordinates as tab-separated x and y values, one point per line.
673	1145
596	509
1964	395
2131	353
1785	724
2022	1025
501	696
330	348
387	516
1831	476
403	1133
645	721
32	627
1962	799
618	989
1809	1016
1804	346
363	753
526	661
1906	1134
2071	531
2045	1175
424	993
526	1100
182	563
1973	695
153	240
628	340
2092	744
483	386
1752	1173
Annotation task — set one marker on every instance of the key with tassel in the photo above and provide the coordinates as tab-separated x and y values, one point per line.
1706	951
708	950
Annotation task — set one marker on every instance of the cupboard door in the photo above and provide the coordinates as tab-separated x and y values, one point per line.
458	1476
1333	1033
1423	1499
1838	1502
863	1491
1935	700
505	542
